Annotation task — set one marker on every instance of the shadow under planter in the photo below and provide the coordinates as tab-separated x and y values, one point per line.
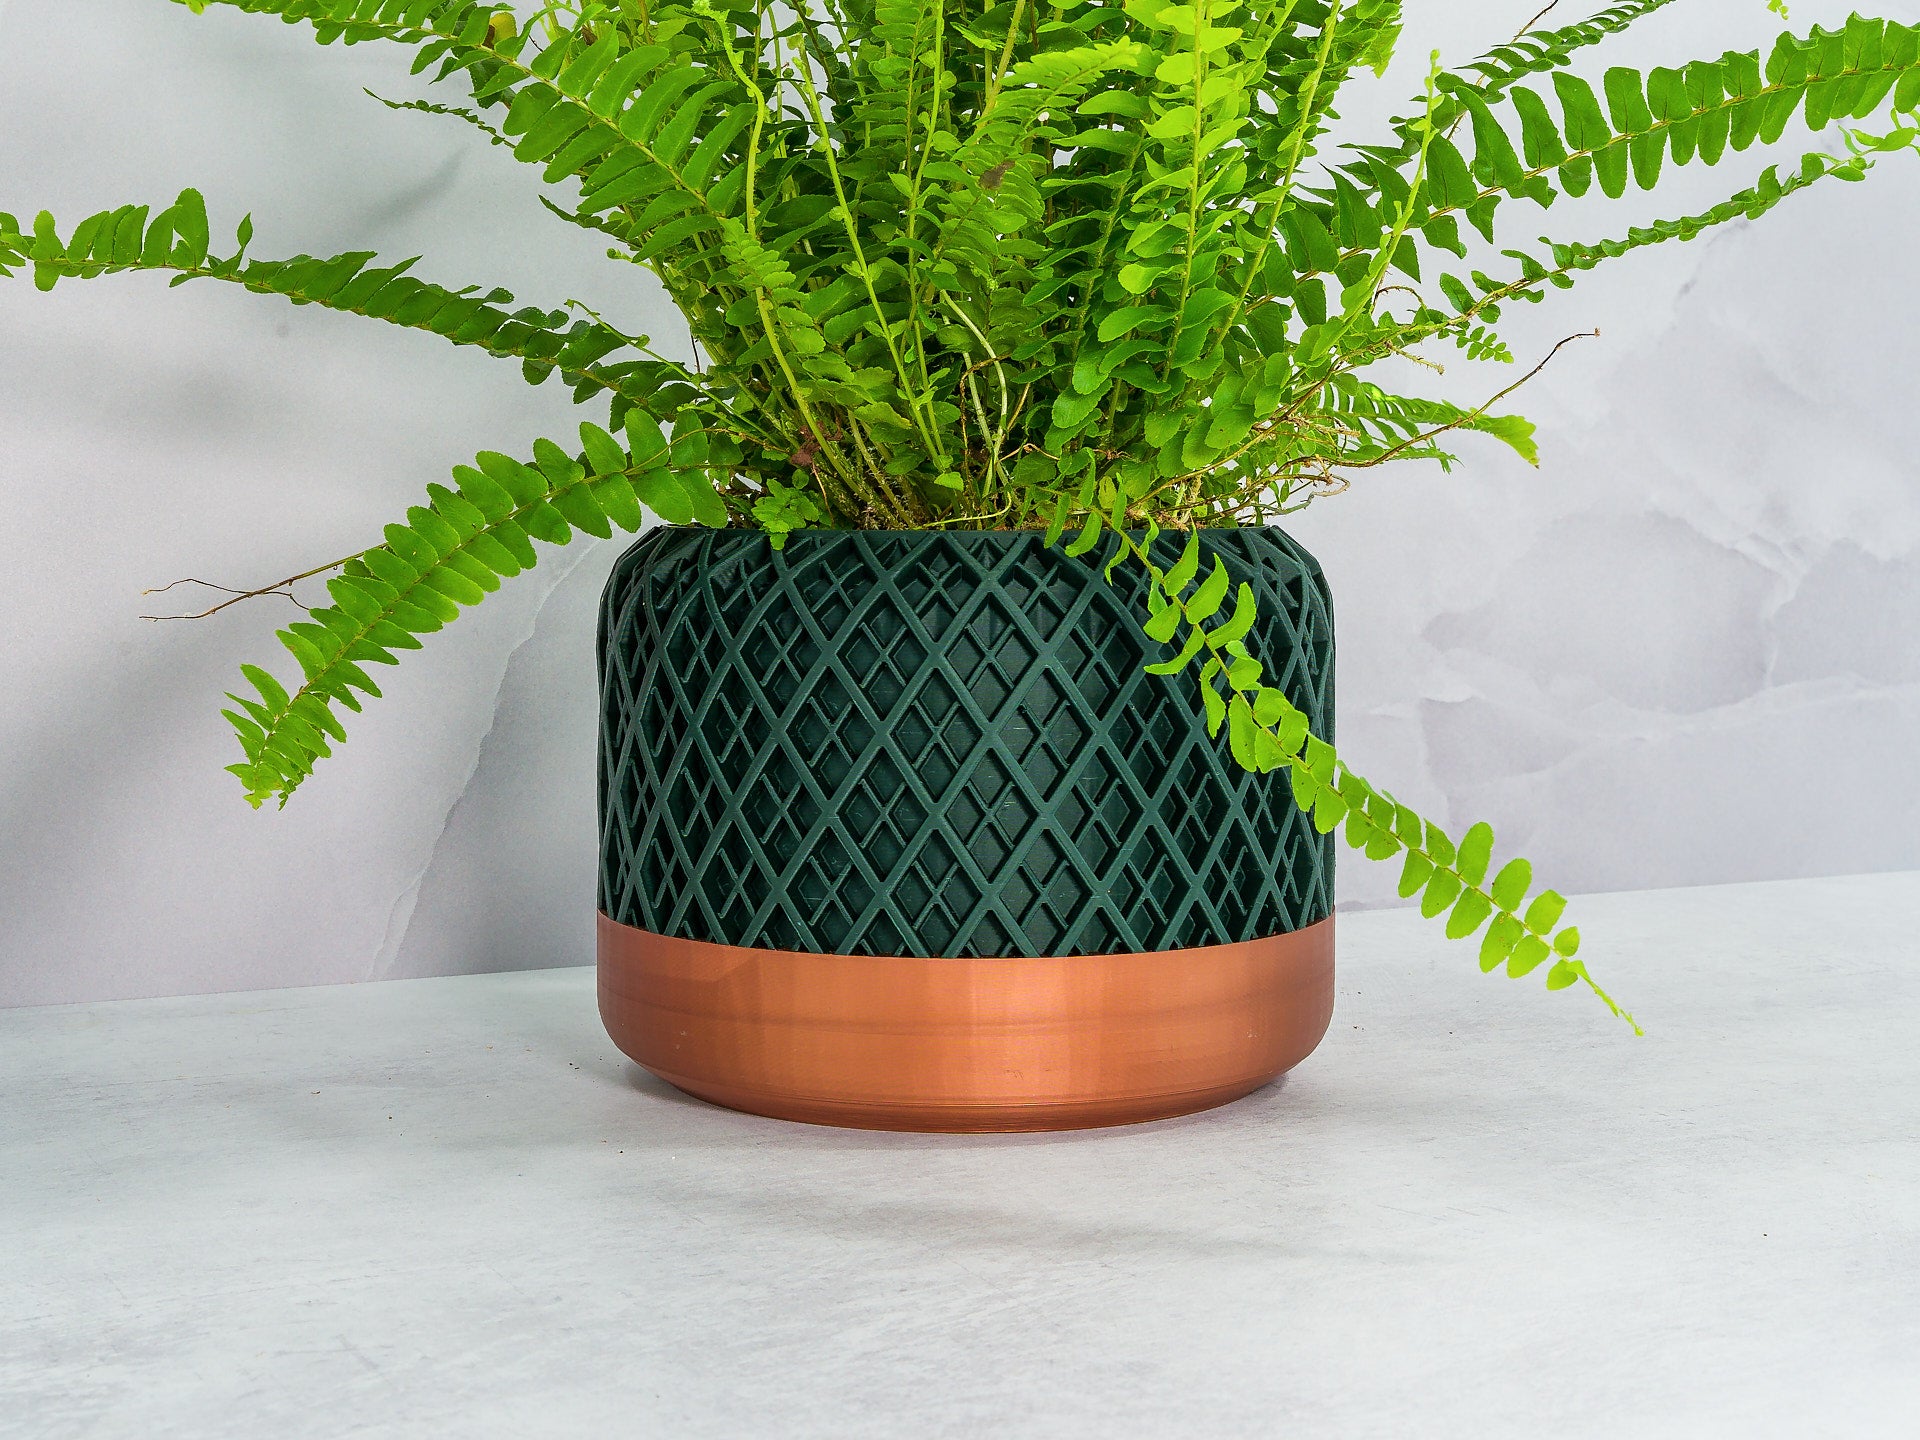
897	833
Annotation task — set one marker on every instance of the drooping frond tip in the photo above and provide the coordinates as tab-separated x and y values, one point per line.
449	554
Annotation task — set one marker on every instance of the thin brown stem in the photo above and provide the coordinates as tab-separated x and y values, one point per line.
1544	10
278	587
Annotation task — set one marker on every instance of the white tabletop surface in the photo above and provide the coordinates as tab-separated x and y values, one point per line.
449	1207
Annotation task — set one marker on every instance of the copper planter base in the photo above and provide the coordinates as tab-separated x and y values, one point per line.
890	1043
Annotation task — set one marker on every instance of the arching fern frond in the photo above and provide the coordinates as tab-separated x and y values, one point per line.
1383	422
1773	186
175	242
1641	124
451	553
1191	611
1480	300
1708	107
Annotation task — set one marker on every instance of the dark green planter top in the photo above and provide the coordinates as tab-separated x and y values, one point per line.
927	743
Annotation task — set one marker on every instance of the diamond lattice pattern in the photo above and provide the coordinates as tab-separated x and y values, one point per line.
914	743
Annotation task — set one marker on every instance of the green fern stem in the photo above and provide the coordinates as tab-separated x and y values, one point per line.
917	403
1296	141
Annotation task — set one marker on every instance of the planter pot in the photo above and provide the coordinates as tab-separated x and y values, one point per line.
896	833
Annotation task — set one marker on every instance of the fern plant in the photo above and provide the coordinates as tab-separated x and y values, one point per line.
1092	267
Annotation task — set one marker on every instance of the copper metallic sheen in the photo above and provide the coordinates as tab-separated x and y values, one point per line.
893	1043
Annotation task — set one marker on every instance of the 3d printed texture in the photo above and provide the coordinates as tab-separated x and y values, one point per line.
923	743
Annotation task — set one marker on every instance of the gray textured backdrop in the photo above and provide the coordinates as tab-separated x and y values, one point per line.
1682	651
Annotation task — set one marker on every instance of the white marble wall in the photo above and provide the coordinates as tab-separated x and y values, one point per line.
1685	649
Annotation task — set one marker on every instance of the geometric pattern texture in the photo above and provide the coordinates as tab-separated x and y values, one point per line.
935	743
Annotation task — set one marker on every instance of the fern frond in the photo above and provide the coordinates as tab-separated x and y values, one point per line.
1772	186
1266	732
451	553
174	241
1564	260
1385	422
1699	111
452	112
